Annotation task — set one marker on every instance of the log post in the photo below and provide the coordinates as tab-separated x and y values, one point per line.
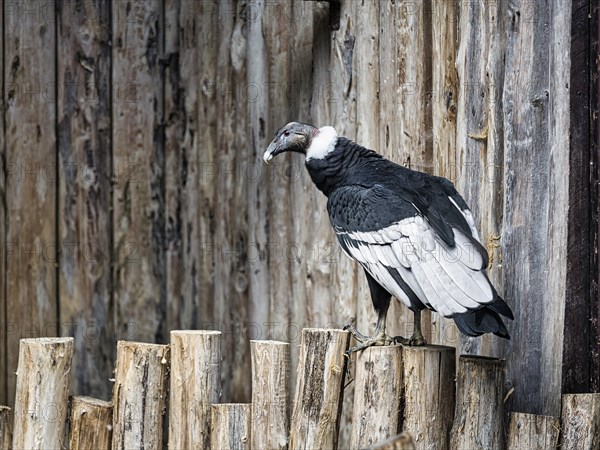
530	431
319	388
42	393
139	395
429	374
403	441
479	408
91	424
231	426
270	394
580	421
5	428
377	395
195	386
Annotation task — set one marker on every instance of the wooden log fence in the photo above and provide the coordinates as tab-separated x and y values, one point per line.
404	399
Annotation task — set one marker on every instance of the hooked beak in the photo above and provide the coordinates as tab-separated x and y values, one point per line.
269	152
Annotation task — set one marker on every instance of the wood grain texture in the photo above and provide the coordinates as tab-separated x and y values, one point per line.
530	431
478	417
231	425
5	428
195	384
84	190
140	395
138	155
31	166
581	297
270	394
378	395
402	441
42	393
444	99
4	349
580	421
534	231
319	389
90	424
429	374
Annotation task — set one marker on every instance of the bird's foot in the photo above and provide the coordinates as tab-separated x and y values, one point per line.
380	338
416	340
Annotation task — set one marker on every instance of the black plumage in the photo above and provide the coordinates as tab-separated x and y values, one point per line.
412	232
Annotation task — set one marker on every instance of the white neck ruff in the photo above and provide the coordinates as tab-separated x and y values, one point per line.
322	144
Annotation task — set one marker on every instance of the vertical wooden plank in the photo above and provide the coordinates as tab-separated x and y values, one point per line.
138	158
5	428
322	251
84	219
534	231
3	300
237	314
205	80
231	424
257	190
445	90
578	328
301	186
31	166
347	275
366	75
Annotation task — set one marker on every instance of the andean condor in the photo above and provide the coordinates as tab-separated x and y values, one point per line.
411	232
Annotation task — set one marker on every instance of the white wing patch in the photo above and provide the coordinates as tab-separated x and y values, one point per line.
447	279
469	218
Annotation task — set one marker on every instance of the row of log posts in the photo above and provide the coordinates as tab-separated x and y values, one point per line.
396	389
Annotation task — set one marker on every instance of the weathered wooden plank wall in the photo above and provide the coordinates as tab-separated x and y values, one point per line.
174	104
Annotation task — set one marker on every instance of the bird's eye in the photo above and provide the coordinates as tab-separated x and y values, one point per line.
286	133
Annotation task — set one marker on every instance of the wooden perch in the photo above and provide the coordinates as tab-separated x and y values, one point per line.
195	384
319	388
91	424
231	424
478	420
429	374
580	421
533	432
42	393
270	394
139	395
5	428
377	395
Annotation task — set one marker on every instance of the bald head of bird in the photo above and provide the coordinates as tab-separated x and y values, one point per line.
292	137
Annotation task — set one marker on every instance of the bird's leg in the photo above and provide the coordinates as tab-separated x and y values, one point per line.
379	338
417	338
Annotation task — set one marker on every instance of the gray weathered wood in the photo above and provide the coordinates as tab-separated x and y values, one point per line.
429	394
231	424
378	395
479	413
140	395
580	421
195	385
403	441
270	394
30	184
90	425
138	160
42	393
530	431
5	428
84	188
319	389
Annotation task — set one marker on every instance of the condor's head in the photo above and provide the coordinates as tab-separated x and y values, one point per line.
302	138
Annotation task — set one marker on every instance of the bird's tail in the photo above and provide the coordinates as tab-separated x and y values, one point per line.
485	320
